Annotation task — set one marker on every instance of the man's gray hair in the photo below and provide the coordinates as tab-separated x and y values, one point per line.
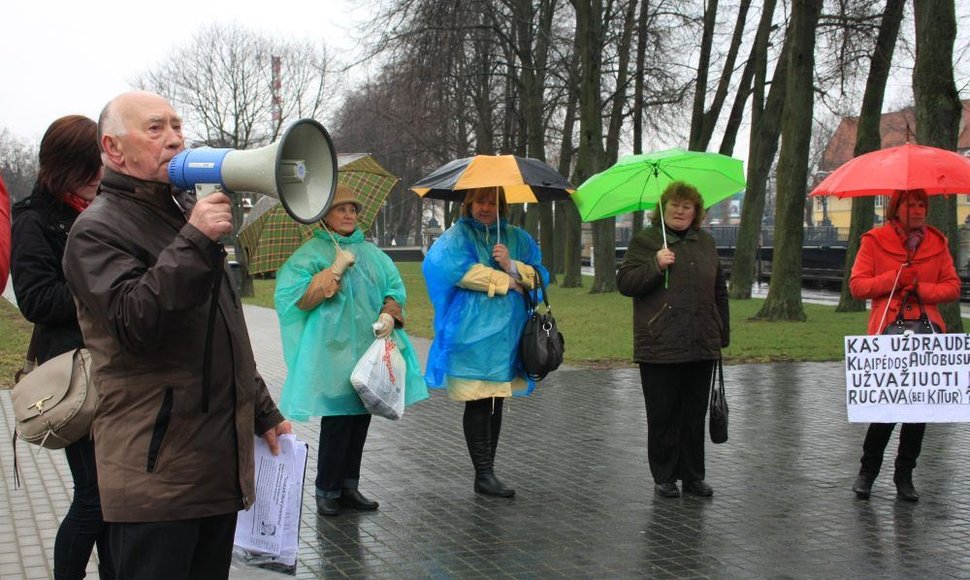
109	122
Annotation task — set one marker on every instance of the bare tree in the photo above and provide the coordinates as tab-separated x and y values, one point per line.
784	300
766	116
592	156
224	83
703	121
18	164
938	113
868	139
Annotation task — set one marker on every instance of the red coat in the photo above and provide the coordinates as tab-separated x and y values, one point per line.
4	235
880	256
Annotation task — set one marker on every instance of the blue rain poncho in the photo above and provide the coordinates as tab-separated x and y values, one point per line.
476	337
321	346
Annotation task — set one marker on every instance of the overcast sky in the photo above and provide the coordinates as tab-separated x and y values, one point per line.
72	57
61	58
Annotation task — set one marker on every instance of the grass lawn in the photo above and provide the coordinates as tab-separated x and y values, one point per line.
598	327
14	338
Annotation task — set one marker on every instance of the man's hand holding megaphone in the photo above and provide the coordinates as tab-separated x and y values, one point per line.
212	215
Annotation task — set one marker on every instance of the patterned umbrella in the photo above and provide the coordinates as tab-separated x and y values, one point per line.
272	236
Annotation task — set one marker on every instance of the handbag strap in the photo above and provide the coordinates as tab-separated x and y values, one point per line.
717	378
30	358
922	310
892	291
532	296
32	346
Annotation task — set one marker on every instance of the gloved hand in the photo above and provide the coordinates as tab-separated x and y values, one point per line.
907	279
342	261
384	325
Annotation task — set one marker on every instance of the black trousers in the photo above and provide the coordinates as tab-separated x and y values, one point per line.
877	438
194	549
676	397
339	453
82	526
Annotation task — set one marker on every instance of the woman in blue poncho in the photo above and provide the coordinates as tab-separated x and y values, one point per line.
329	294
477	273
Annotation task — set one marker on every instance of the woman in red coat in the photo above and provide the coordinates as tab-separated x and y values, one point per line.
904	256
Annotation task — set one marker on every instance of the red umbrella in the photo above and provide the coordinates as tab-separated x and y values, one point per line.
906	167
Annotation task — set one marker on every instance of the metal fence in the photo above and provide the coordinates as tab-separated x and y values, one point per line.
727	236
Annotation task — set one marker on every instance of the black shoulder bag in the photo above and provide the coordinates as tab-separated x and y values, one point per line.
542	345
921	325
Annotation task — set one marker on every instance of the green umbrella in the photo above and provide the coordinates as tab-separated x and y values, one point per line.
635	182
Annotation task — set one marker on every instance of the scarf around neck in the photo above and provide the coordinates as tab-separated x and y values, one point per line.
77	202
911	239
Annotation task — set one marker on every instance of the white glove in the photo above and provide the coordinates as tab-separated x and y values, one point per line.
342	261
384	325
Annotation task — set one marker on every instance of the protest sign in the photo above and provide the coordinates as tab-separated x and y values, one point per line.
908	378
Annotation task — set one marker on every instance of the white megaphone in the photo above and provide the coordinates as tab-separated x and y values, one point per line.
300	170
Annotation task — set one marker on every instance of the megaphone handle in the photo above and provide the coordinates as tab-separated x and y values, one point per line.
204	189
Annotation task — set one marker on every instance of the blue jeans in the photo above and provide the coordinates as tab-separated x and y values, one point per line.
83	526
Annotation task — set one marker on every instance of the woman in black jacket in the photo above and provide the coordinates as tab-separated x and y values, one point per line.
67	182
680	325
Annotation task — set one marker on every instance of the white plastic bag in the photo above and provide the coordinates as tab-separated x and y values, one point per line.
379	379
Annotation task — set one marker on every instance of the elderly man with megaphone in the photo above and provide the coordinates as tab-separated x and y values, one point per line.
180	398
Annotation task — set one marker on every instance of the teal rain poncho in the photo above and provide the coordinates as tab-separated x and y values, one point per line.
322	346
476	337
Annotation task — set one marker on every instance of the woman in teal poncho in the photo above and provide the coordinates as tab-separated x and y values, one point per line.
477	273
329	295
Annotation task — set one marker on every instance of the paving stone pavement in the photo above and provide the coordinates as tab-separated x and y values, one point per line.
585	508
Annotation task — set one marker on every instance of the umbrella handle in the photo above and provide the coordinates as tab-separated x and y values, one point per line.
663	232
498	213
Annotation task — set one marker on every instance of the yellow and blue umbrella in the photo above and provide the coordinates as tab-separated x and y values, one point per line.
523	179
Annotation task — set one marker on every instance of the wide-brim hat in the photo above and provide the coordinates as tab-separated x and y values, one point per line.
344	194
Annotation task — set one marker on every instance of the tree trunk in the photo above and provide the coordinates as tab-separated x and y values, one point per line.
638	95
559	220
592	156
747	76
869	139
530	50
766	126
638	81
572	240
709	119
703	64
938	112
784	300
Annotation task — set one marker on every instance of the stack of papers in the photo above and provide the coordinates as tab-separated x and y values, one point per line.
269	531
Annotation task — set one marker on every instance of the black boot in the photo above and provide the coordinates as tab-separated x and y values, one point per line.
863	485
477	426
495	425
904	486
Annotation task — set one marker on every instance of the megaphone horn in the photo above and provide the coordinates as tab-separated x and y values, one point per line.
300	170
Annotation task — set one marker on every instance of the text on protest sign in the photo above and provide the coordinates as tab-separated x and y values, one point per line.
908	378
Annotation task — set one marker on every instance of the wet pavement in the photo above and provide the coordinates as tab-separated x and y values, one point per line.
585	508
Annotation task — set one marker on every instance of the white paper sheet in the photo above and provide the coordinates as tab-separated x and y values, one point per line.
271	527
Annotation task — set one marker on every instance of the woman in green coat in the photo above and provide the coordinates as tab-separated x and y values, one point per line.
680	325
332	295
